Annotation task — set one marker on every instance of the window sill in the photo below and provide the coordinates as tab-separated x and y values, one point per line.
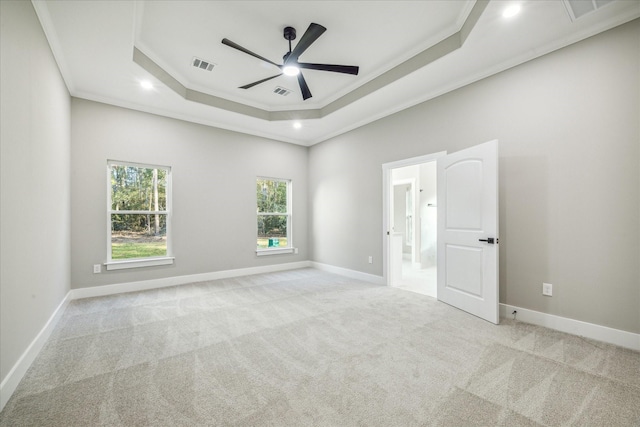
137	263
279	251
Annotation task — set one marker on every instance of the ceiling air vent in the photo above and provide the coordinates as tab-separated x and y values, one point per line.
282	91
579	8
202	64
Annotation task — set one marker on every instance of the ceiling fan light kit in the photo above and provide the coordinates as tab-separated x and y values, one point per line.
290	65
291	70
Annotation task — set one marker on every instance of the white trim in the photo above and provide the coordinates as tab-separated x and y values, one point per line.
414	213
15	375
13	378
44	16
136	263
372	278
168	259
143	285
575	327
112	212
387	203
263	252
412	161
288	214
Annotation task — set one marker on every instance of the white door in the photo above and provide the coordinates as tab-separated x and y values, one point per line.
468	230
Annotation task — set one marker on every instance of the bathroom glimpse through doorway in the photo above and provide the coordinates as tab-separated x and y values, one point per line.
410	221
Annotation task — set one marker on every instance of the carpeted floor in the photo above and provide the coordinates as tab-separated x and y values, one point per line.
308	348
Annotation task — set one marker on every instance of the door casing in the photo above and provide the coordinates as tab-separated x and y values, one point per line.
387	204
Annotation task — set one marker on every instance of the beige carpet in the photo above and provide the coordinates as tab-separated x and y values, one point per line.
308	348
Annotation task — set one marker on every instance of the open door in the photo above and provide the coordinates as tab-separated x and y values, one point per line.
468	230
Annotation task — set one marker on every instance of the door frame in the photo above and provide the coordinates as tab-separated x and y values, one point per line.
387	203
411	182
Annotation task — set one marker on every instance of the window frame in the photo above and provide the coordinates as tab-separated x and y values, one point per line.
289	214
120	264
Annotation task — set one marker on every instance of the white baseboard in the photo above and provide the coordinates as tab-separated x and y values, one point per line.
563	324
13	378
98	291
372	278
575	327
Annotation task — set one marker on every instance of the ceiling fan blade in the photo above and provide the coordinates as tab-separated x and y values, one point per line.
304	88
247	51
346	69
250	85
313	32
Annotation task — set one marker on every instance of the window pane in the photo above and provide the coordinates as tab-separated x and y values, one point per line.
271	196
138	236
138	189
272	231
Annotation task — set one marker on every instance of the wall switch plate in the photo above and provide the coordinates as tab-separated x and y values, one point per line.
370	259
547	289
97	268
295	250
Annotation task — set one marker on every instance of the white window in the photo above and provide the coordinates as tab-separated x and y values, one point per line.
138	215
273	199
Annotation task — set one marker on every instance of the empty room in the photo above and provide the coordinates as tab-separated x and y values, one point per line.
320	213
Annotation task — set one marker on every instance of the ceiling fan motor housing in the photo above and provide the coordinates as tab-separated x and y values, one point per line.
289	33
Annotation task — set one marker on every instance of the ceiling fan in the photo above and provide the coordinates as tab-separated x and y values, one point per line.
290	65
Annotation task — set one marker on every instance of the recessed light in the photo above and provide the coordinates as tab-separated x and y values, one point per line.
146	84
512	10
297	125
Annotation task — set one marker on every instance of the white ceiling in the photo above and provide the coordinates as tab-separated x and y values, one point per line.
407	51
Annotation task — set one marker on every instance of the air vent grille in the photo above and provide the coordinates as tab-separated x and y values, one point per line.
282	91
202	64
579	8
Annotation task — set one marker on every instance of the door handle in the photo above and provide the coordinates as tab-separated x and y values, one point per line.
489	240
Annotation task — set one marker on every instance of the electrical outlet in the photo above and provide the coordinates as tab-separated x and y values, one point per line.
547	289
295	250
97	268
370	259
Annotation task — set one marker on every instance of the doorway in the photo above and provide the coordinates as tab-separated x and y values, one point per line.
467	228
411	224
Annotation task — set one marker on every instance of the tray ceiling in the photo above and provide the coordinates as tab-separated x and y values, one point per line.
407	51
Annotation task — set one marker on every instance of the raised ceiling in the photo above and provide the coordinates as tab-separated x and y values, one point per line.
407	51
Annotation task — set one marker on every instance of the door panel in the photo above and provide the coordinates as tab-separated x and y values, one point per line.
467	280
463	208
468	206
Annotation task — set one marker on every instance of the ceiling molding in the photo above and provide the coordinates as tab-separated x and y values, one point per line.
422	59
42	12
450	47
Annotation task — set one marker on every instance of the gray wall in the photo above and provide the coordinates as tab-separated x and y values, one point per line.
213	177
34	186
568	126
